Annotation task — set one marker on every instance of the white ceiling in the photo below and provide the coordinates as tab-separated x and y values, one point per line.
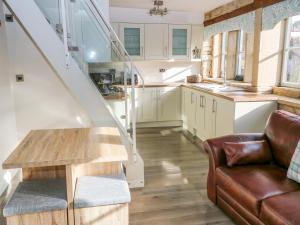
175	5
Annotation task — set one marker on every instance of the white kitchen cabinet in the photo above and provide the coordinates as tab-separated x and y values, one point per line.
179	42
132	36
168	104
184	93
146	104
224	119
190	104
214	116
158	104
156	41
201	115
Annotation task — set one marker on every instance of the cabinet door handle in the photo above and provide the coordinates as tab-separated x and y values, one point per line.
216	106
142	51
166	51
213	106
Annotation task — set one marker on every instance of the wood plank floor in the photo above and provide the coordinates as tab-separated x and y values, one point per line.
175	182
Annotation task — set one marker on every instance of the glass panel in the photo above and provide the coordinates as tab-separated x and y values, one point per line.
179	46
51	11
295	32
98	52
132	41
241	54
293	66
224	53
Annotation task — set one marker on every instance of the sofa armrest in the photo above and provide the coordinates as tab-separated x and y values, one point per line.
217	157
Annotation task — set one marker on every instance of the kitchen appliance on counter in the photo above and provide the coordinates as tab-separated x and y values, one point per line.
107	83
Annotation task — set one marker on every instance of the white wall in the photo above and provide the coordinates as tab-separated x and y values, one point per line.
174	71
41	101
8	134
132	15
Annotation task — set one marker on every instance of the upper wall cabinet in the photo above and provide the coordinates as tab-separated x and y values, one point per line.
132	36
156	41
179	41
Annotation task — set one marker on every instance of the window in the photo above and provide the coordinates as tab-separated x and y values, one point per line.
291	65
241	53
224	53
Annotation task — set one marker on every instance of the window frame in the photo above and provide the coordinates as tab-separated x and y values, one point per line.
241	49
224	53
286	50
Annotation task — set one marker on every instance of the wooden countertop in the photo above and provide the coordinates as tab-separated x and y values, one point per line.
42	148
240	96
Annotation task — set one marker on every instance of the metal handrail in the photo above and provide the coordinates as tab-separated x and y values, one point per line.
116	43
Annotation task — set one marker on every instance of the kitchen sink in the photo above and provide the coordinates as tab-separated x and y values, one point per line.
218	88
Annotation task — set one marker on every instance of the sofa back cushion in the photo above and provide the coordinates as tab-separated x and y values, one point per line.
283	133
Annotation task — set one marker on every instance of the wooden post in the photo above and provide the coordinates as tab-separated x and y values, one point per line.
231	55
256	47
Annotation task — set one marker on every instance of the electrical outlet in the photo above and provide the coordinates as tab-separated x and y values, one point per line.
9	18
20	78
162	70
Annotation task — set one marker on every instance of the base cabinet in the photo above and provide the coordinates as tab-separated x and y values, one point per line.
158	104
208	116
168	104
146	106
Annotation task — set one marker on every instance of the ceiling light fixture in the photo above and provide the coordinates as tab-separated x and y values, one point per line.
158	9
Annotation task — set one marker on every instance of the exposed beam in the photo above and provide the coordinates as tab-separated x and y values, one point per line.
240	9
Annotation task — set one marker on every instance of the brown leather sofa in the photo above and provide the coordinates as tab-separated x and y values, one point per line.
258	194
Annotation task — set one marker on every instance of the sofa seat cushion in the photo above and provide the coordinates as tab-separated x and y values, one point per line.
249	185
282	209
37	196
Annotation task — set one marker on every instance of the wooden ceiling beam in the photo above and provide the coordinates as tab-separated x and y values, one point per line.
234	12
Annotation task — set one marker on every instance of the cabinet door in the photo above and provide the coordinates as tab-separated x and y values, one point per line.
146	105
168	104
156	41
179	41
191	111
200	115
210	117
132	36
184	92
225	113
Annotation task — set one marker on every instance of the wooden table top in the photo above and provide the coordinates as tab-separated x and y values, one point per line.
56	147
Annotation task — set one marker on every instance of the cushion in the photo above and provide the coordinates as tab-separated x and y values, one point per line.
283	134
37	196
251	152
101	190
249	185
294	168
281	209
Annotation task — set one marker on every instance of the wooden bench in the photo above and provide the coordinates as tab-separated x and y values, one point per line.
102	200
41	202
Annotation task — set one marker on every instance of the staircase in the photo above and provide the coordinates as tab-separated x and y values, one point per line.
79	44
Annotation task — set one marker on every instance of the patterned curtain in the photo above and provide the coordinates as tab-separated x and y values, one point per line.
244	22
275	13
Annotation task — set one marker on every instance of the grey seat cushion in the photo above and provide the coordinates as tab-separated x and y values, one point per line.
37	196
101	191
